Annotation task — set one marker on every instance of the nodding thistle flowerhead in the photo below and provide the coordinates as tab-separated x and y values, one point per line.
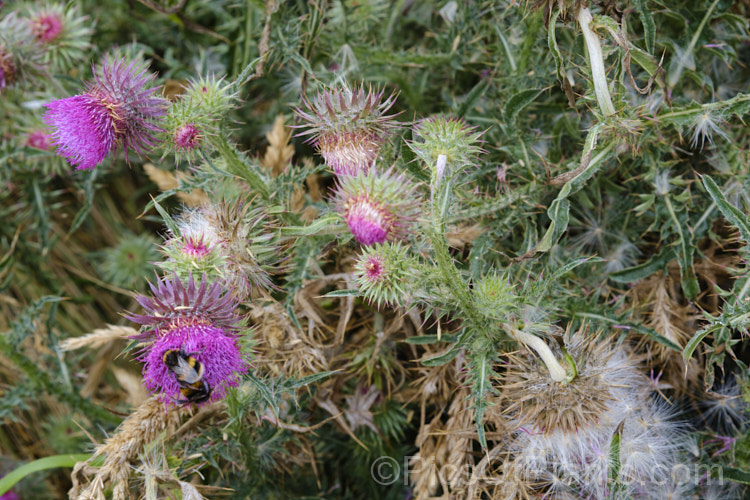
449	137
377	207
382	272
198	324
348	126
118	108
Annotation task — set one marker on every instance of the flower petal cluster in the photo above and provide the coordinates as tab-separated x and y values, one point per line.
62	33
348	126
119	108
199	320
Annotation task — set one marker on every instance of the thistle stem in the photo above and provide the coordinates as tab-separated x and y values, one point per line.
451	275
556	370
596	62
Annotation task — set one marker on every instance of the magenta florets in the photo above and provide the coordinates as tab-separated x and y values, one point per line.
211	346
187	137
47	26
374	268
84	129
117	109
377	206
368	222
195	246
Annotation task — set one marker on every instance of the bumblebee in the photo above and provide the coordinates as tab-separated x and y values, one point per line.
188	372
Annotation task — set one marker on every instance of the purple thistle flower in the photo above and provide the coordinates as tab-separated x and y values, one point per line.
118	108
211	346
348	126
377	207
199	321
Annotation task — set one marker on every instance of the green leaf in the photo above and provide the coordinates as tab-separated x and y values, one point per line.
168	220
53	462
735	217
614	457
343	293
641	271
265	392
443	358
431	339
88	199
473	96
693	343
520	101
731	473
310	379
647	20
559	210
328	224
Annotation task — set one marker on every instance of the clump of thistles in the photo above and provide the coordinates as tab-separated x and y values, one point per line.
377	206
199	319
348	126
382	272
194	117
119	108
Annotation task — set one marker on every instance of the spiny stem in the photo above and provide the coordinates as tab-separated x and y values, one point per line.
596	61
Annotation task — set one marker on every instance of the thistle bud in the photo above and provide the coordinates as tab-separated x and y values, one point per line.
62	32
20	57
39	139
446	137
377	207
383	274
195	117
118	108
348	127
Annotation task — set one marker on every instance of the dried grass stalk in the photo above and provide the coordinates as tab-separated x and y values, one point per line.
121	450
166	180
279	152
98	338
